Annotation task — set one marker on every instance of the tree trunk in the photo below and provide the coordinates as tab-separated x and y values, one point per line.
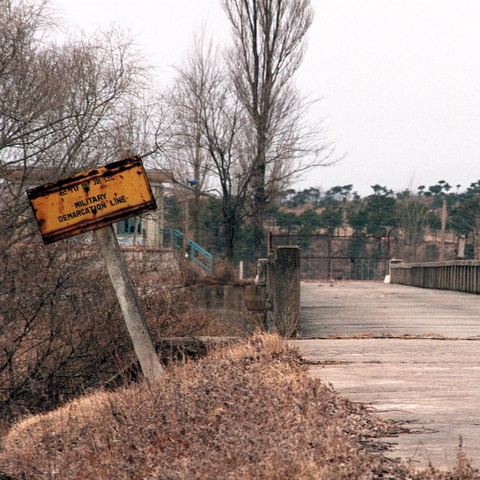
230	230
261	200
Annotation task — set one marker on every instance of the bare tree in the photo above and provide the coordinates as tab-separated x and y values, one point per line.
413	218
242	123
188	157
60	104
268	47
143	126
64	107
212	130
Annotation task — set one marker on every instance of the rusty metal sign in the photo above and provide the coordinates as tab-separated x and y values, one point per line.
91	200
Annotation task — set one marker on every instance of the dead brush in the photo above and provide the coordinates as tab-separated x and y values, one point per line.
62	332
247	411
224	273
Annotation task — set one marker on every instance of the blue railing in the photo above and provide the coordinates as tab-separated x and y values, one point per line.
195	252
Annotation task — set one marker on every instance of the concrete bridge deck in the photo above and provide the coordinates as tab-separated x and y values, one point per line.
412	354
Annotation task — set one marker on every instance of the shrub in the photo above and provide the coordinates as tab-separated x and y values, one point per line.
249	410
62	331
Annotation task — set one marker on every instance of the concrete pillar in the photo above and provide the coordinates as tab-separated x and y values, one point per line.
283	291
461	247
153	221
261	278
396	274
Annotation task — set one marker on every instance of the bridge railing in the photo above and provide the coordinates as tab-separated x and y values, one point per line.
194	251
460	275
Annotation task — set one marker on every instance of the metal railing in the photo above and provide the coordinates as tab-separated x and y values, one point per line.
338	257
194	251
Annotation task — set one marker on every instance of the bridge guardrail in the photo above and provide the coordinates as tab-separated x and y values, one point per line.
195	252
457	275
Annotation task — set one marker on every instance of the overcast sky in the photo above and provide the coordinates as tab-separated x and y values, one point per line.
399	79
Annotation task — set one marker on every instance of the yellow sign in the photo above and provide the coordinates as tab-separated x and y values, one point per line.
92	199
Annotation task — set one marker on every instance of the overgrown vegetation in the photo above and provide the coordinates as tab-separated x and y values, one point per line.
248	410
62	332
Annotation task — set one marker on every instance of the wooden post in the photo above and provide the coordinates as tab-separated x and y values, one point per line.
129	303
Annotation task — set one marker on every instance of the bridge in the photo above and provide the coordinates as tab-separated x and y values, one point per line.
413	354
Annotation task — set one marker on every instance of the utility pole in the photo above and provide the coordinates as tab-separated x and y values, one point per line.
444	225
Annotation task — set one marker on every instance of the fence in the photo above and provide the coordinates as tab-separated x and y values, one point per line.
460	275
335	268
339	257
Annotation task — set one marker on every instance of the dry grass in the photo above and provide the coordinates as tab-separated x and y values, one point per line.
247	411
224	273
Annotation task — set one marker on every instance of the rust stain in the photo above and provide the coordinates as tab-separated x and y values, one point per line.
92	199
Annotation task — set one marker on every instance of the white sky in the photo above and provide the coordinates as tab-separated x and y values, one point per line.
399	79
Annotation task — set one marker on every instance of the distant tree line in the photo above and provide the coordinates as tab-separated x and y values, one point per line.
413	220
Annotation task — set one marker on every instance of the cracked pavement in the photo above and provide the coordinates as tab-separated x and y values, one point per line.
412	354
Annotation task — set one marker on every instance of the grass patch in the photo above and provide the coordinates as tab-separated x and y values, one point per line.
249	410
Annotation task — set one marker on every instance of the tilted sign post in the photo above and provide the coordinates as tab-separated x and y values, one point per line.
94	200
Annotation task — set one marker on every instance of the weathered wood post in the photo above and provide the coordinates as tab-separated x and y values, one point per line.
129	303
94	200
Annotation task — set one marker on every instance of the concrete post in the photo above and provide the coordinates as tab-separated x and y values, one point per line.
283	291
153	221
261	278
461	247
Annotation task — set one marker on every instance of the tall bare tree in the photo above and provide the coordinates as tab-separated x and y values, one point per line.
212	136
269	41
60	104
188	157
